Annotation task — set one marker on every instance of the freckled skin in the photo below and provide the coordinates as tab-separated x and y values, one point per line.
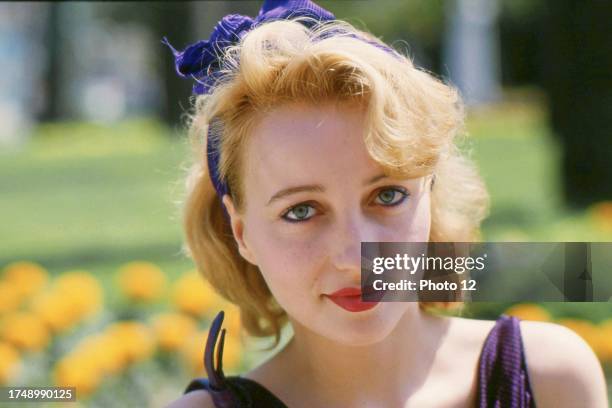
297	145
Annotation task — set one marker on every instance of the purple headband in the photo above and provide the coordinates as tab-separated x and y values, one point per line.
201	61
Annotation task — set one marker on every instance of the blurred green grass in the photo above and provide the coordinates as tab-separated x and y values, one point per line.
518	158
90	197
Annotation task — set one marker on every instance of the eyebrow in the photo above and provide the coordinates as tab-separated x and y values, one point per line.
315	188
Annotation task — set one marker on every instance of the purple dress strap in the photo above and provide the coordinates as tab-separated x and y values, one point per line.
503	381
232	391
223	395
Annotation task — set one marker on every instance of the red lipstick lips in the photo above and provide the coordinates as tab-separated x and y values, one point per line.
350	299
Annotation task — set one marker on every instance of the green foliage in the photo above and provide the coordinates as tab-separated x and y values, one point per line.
391	19
522	9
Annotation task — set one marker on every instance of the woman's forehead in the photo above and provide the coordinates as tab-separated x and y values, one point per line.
307	119
302	141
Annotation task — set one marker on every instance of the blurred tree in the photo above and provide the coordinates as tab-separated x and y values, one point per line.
521	41
173	20
413	26
578	79
183	23
52	80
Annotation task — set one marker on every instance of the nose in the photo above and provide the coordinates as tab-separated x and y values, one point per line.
351	230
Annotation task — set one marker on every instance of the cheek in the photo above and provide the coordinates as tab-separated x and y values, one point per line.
422	220
413	226
288	262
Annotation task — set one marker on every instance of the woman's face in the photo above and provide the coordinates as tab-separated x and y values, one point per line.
313	194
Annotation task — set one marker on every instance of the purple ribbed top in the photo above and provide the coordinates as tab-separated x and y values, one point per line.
503	381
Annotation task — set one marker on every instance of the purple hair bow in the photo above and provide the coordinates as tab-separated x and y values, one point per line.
201	61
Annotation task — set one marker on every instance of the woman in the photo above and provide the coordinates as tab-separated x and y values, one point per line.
318	137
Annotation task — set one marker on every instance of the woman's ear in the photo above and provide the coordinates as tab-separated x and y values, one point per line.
237	224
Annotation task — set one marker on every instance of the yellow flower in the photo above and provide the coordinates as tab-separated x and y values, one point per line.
10	297
601	214
10	363
82	290
90	361
111	354
605	335
136	339
56	311
24	330
103	349
529	311
193	353
585	329
141	281
79	372
173	329
103	354
193	295
231	321
27	277
232	353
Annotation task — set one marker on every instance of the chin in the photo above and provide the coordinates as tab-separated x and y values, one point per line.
363	328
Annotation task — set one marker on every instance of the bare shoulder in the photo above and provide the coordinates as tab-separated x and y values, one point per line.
471	333
193	399
563	369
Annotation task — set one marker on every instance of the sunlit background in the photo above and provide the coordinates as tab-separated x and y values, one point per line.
94	290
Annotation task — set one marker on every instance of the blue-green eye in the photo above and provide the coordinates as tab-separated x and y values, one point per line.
392	196
300	213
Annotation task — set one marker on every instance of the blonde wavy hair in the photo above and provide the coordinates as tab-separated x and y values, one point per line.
413	121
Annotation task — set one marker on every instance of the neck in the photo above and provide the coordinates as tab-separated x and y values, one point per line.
386	373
